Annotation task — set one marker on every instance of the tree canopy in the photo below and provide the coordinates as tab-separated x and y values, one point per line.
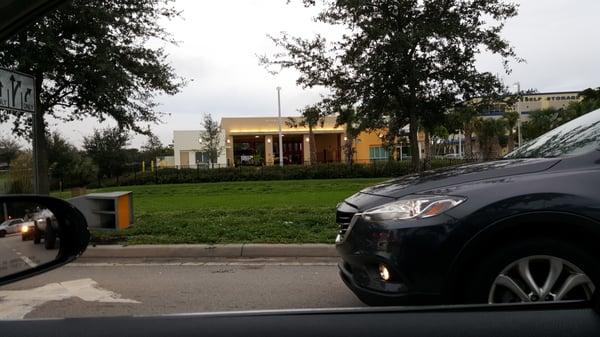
67	164
107	149
211	138
399	62
542	121
9	149
93	58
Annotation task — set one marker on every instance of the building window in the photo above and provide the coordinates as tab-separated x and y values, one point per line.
377	153
202	158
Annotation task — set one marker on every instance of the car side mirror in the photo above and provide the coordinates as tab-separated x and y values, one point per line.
38	234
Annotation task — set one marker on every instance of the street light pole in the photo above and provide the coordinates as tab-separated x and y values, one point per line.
279	122
520	135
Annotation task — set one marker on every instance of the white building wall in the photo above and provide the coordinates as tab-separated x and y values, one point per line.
188	141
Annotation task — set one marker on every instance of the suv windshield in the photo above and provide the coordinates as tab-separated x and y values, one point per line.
579	136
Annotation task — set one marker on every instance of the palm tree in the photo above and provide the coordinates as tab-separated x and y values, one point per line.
511	119
348	116
463	119
488	132
311	117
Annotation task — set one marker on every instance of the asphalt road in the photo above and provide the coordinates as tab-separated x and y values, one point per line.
109	288
17	255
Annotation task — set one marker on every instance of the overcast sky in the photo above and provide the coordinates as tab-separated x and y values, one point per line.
219	41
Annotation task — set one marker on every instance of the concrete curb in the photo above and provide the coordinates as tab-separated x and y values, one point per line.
225	250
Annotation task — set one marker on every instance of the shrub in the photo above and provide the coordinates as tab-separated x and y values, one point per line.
251	173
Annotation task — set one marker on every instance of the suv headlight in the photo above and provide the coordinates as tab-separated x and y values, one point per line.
413	207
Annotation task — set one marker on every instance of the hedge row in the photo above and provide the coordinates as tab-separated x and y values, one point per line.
290	172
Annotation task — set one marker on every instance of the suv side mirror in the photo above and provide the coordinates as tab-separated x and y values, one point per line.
52	233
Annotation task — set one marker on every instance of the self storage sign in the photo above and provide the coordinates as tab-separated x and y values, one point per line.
17	91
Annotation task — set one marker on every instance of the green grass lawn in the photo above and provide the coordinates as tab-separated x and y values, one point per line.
299	211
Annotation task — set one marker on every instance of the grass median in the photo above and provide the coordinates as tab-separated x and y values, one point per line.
298	211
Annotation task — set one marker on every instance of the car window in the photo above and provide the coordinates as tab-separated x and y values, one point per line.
253	155
576	137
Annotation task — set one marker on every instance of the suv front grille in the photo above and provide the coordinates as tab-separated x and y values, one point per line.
343	220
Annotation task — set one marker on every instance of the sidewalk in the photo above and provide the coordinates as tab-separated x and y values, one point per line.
203	250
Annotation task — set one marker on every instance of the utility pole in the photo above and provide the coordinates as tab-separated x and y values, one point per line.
520	135
279	122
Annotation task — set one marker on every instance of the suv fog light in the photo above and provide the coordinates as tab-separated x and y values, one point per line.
24	229
384	273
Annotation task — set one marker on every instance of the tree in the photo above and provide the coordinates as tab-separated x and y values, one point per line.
19	176
464	117
511	120
348	117
542	121
62	156
590	101
154	148
211	138
397	57
68	166
107	150
9	149
93	59
438	136
311	118
489	131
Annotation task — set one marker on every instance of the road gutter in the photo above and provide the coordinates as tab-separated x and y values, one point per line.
202	250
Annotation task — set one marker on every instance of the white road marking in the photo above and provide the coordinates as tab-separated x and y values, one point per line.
28	261
197	264
18	303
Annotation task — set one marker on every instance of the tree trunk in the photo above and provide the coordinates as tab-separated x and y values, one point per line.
511	141
414	142
468	150
39	145
312	146
496	148
427	148
349	149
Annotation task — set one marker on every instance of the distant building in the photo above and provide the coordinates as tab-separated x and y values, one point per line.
254	141
165	161
189	152
535	102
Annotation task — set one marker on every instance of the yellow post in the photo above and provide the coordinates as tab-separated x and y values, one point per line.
152	165
143	167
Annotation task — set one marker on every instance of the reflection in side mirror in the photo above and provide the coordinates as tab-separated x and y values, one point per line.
28	236
38	234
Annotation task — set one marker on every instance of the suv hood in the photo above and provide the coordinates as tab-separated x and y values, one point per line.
415	183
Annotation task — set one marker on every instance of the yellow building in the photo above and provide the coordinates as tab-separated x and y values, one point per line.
254	141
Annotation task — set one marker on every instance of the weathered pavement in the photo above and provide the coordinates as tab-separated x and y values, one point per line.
109	287
17	255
